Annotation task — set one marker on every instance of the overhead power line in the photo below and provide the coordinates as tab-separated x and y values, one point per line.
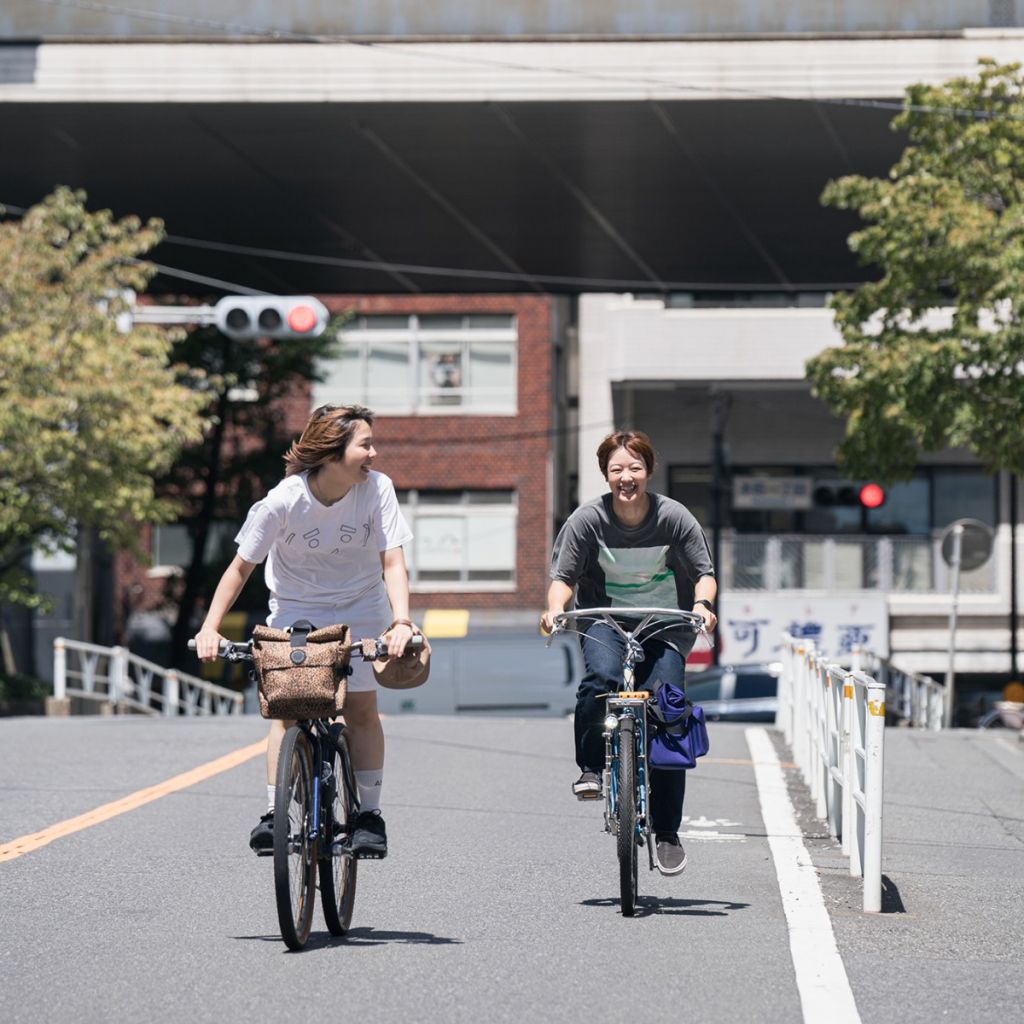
383	266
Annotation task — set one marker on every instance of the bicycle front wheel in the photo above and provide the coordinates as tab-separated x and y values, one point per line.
337	872
627	811
295	846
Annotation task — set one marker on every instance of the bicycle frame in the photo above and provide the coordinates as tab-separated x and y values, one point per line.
317	732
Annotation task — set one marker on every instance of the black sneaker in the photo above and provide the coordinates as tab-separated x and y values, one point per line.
369	836
587	786
261	839
669	853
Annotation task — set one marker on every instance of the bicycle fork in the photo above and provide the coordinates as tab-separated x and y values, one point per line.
612	742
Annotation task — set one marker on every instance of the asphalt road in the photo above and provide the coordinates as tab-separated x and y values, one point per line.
499	900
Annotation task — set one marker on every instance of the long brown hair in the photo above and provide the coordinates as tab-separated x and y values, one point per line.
325	437
636	442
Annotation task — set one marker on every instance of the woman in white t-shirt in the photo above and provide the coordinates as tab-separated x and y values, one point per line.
332	535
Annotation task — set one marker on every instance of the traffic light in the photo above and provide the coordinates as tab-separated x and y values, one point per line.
871	496
842	493
244	317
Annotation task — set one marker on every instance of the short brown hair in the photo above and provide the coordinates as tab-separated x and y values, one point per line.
636	442
325	437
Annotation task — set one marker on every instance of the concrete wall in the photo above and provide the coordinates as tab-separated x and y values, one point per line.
527	18
627	340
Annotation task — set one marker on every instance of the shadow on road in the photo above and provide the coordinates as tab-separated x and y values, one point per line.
646	906
362	937
372	937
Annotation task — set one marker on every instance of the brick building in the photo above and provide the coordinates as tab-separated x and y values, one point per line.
466	389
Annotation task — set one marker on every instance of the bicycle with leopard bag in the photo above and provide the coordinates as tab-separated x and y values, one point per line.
301	674
639	725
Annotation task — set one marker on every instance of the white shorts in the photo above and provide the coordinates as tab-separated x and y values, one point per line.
368	618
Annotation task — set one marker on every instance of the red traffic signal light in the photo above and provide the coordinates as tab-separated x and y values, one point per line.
245	317
872	496
842	493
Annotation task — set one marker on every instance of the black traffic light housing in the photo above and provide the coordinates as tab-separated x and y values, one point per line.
245	317
849	495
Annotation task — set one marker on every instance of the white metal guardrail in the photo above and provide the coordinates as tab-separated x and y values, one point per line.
916	699
834	722
115	676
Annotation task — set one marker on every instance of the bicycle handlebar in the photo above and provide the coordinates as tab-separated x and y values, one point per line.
685	618
639	625
233	650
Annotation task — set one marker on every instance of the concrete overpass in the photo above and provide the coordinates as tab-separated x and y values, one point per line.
688	153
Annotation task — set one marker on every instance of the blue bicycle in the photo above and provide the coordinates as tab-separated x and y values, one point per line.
316	803
625	777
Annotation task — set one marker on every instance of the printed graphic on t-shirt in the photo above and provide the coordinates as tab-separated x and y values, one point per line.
638	577
323	554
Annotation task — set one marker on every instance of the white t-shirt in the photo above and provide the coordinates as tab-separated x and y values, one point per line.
324	555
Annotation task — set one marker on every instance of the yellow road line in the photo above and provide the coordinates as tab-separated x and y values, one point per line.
738	760
26	844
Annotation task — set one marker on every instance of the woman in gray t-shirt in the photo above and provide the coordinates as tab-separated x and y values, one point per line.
630	548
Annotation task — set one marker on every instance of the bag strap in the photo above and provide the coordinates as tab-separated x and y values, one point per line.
299	631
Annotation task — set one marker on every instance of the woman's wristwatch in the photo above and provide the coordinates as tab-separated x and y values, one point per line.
707	604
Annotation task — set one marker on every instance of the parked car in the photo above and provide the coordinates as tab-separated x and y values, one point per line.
746	693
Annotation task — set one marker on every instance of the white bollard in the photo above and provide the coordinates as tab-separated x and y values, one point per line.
848	764
874	746
117	687
60	669
171	693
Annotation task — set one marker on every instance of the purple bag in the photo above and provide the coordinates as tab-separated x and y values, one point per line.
679	734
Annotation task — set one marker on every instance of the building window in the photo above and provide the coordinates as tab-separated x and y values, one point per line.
172	544
463	540
424	364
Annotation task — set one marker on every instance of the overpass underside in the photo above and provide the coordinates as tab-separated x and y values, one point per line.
627	166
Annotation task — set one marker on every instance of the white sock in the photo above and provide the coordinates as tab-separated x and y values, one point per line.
369	783
271	798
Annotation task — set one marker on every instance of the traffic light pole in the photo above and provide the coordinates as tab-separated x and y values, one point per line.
950	710
719	407
1014	677
168	316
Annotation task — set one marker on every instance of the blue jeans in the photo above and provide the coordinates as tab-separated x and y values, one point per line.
603	660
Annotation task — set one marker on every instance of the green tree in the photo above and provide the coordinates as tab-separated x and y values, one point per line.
89	414
241	457
945	229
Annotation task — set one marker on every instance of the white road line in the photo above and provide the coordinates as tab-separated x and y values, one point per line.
825	994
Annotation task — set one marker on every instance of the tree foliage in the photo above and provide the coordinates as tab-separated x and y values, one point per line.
241	457
89	415
933	350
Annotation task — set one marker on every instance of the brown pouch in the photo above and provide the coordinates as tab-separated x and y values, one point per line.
302	672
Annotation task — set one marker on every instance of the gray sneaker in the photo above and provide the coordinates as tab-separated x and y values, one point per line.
587	786
670	855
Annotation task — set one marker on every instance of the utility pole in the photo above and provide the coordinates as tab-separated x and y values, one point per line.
719	412
1014	677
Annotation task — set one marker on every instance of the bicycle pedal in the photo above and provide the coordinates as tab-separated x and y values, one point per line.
370	855
264	853
588	795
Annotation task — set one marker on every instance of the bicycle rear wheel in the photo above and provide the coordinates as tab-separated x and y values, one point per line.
337	873
627	811
295	847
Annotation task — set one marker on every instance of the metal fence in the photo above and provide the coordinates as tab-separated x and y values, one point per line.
911	698
886	563
124	681
834	722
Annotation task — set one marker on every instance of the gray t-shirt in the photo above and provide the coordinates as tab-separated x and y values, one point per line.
652	565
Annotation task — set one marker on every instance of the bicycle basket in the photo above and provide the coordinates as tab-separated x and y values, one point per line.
301	672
